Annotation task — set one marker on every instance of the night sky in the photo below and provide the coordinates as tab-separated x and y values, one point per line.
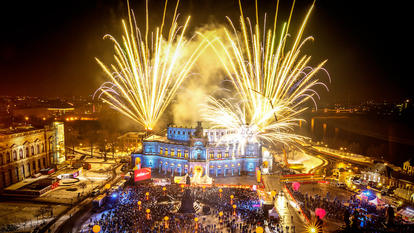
48	48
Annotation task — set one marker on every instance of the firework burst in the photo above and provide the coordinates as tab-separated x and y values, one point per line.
274	83
149	68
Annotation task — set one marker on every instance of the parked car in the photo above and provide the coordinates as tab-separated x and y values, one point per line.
96	192
124	167
356	182
341	185
114	188
124	160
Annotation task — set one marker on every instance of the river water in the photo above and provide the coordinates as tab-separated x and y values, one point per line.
367	135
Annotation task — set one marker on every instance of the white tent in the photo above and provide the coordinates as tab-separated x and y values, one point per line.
377	202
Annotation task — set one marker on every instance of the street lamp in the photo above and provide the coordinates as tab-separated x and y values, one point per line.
196	223
139	205
221	215
234	209
148	213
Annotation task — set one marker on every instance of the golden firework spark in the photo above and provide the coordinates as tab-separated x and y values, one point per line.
232	115
273	82
313	227
147	71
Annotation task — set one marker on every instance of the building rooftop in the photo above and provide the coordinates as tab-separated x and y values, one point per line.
164	139
19	129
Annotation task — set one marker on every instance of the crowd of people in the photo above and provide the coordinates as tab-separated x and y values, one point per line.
357	214
124	214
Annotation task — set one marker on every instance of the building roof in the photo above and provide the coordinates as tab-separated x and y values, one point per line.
402	176
164	139
21	129
410	161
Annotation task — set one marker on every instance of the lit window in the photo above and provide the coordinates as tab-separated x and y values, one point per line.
226	154
186	154
219	155
166	151
179	153
211	155
172	152
161	150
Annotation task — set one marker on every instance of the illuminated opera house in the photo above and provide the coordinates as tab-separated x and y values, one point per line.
184	150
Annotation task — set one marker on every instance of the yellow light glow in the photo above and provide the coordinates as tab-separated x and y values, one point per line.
273	84
313	227
148	71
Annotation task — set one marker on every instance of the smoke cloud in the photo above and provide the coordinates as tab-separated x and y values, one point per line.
206	79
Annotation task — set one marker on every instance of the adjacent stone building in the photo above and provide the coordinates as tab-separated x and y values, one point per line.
24	151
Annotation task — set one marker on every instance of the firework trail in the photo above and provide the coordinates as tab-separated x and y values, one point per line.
149	68
273	82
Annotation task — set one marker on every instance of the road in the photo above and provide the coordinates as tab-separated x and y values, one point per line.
285	209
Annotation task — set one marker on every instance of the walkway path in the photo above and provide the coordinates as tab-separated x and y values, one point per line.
288	213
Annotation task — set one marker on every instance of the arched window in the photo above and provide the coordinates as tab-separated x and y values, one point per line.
38	149
21	154
8	157
27	152
32	150
1	158
43	147
14	155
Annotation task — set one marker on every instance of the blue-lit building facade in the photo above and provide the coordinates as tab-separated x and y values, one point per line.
183	149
